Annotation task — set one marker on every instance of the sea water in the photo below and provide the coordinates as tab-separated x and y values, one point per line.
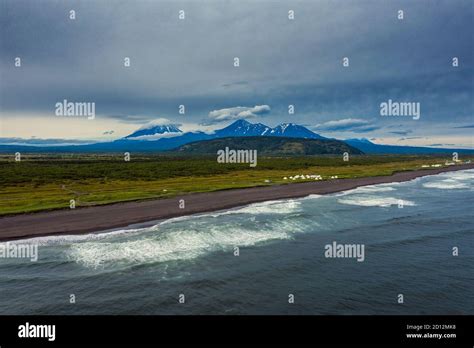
249	260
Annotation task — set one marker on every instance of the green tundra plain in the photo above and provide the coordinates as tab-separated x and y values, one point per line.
49	181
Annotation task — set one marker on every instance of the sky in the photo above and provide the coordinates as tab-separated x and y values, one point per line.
282	62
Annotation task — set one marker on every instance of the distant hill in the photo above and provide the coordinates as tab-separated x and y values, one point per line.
270	146
368	147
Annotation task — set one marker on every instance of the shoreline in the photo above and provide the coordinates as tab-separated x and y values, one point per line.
123	215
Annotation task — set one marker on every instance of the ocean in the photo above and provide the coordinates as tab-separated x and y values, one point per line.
190	265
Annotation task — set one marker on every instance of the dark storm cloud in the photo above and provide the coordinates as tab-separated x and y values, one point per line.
282	62
348	124
401	132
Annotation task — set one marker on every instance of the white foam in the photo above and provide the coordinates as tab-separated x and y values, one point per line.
174	245
287	206
370	201
268	207
459	175
311	197
368	189
451	180
373	189
68	239
446	185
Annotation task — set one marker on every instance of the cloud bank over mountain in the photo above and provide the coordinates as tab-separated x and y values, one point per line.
347	125
237	113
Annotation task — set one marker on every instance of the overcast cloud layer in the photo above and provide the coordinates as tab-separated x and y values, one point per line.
191	62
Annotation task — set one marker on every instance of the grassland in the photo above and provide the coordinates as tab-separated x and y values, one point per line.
44	182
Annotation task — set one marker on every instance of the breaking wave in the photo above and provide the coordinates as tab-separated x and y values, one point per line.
367	201
451	180
179	243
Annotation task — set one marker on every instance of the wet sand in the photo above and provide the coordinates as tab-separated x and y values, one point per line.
122	215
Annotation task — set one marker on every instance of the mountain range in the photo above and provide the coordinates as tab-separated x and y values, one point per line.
163	137
240	128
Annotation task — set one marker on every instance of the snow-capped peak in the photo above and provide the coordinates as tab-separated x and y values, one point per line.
155	123
293	130
242	128
156	128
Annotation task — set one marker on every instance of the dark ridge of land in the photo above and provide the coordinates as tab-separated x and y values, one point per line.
122	215
270	146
